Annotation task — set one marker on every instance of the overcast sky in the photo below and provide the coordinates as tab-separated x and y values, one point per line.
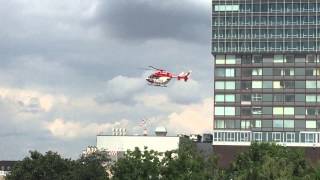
72	69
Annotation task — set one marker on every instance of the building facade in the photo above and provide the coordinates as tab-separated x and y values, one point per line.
116	146
267	71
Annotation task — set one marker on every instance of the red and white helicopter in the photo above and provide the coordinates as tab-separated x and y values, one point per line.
162	77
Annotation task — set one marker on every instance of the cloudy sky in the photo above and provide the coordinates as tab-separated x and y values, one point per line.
72	69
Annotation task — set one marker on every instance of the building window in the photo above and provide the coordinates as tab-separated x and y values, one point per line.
256	97
278	85
311	124
256	110
289	98
225	85
257	72
229	124
245	124
219	124
278	59
311	98
288	123
276	136
224	98
224	111
220	59
229	72
219	98
283	110
222	72
256	84
231	59
257	123
278	123
229	97
290	137
226	8
311	111
311	84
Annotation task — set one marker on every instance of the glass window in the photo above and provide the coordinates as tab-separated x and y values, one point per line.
229	124
277	84
289	98
278	97
257	123
288	123
311	84
311	98
257	72
278	123
230	98
219	124
230	85
278	59
289	110
256	84
229	111
227	8
231	59
256	110
220	72
245	124
219	111
220	59
229	72
224	85
219	85
245	97
311	124
311	111
256	97
219	98
277	110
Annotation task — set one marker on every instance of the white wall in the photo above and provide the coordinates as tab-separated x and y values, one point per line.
124	143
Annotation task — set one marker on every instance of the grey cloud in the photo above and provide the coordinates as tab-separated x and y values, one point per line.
144	20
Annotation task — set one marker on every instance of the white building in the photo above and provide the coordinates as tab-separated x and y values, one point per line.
128	142
118	143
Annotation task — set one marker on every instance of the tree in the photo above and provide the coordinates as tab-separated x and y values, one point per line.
137	165
42	167
270	161
188	163
53	166
92	166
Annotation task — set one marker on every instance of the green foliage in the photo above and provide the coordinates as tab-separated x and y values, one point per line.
188	163
137	165
53	166
270	161
183	164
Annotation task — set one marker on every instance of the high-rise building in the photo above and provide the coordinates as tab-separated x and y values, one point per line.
267	71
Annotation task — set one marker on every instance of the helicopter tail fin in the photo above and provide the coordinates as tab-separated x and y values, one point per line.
184	76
